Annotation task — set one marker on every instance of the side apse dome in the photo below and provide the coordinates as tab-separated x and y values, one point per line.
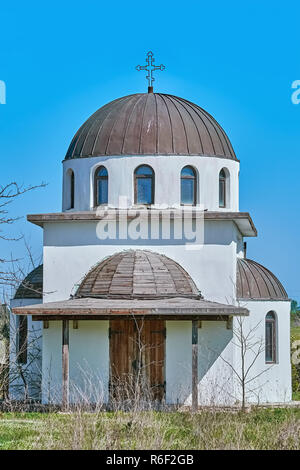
32	286
254	281
150	124
135	274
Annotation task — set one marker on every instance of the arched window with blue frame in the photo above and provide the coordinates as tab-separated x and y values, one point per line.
222	188
188	186
72	189
271	338
101	186
144	180
70	182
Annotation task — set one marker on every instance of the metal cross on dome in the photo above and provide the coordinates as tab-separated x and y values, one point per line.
150	67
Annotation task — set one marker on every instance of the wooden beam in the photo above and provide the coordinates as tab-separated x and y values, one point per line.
229	323
194	365
130	316
65	364
240	218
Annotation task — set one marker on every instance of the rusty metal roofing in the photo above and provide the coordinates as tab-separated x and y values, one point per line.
138	274
150	124
32	286
256	282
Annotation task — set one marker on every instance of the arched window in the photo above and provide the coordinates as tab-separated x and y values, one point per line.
222	188
144	185
72	189
271	338
188	182
101	186
22	331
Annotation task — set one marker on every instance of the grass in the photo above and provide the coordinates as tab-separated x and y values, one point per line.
295	333
295	336
277	428
259	429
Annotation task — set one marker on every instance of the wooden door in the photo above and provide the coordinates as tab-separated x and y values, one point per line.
137	359
154	333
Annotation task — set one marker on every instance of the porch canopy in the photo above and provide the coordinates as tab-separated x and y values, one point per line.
134	282
174	308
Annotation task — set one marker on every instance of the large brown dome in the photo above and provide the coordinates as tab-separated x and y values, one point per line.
254	281
134	274
150	124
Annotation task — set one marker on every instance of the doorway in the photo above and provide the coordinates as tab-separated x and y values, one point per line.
137	360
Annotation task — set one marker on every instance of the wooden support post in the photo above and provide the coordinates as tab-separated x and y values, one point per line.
229	323
46	324
75	324
194	365
65	364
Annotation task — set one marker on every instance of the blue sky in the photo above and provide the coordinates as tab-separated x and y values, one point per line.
63	60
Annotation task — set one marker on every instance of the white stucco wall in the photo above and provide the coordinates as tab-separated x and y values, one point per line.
274	381
220	359
89	362
178	361
167	180
71	249
215	384
32	370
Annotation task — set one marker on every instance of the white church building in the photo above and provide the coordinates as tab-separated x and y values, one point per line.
145	277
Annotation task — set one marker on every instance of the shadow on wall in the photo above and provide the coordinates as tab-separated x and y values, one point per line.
215	380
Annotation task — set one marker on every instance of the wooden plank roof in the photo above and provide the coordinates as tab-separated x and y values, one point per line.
133	274
91	307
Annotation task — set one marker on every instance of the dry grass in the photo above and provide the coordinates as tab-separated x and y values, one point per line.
259	429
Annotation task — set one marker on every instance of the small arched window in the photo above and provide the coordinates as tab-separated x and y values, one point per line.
72	189
144	185
271	338
188	183
222	188
101	186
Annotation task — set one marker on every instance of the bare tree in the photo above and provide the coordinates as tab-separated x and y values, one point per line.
25	374
4	351
250	348
11	275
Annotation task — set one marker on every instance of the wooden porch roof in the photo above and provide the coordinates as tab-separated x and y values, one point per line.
90	308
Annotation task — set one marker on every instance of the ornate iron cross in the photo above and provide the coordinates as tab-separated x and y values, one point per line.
150	67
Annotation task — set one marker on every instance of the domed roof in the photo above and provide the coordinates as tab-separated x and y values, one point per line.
135	274
32	286
150	124
254	281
